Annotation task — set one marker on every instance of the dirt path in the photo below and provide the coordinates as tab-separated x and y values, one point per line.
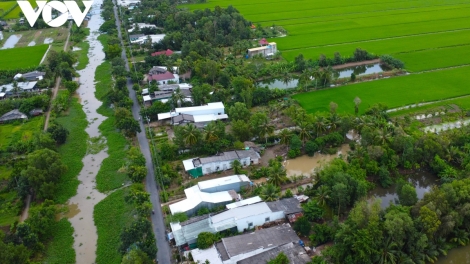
353	64
25	213
57	84
425	103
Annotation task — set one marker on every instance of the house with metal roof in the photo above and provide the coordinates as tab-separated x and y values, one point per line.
211	194
30	76
238	219
12	116
9	89
197	167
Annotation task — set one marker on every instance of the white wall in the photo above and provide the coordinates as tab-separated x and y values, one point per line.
257	220
204	111
223	165
175	80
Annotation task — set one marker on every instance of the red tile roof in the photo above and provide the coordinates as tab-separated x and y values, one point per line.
161	77
263	41
167	52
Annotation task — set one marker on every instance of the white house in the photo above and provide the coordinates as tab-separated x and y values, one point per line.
197	167
266	51
210	194
240	219
141	26
152	38
8	89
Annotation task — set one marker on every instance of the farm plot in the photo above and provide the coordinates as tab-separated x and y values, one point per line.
324	27
21	57
394	92
15	13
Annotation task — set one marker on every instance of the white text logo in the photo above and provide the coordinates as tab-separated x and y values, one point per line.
65	9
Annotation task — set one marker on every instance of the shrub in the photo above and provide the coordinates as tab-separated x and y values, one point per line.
392	62
303	226
311	148
205	240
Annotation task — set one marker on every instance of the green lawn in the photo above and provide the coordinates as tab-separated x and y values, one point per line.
111	215
73	151
393	92
19	130
22	57
10	208
323	27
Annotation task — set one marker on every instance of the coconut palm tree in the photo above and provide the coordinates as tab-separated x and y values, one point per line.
388	252
270	192
265	129
285	136
305	79
210	133
277	174
190	134
316	74
178	97
320	124
322	195
304	131
334	120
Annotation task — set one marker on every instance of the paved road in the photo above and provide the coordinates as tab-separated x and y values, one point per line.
164	251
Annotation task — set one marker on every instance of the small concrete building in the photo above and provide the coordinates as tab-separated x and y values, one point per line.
266	51
211	194
197	167
8	89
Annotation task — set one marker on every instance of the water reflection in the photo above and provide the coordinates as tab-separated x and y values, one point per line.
422	181
272	84
11	41
458	255
360	70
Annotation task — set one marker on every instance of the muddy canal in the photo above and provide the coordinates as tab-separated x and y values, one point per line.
305	165
81	206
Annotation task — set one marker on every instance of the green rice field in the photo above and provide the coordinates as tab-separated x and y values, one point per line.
15	13
424	87
393	27
22	57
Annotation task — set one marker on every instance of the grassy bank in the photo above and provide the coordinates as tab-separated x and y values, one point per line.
111	216
60	249
73	151
393	92
83	52
108	177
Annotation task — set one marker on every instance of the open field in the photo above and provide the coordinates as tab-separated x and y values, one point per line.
324	27
393	92
19	131
22	57
15	13
58	35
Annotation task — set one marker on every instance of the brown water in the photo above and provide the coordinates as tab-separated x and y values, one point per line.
305	165
81	206
459	255
422	181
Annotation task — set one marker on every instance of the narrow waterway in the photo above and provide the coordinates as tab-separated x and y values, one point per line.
460	255
81	206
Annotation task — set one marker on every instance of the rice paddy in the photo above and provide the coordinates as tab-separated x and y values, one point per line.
395	27
427	35
22	57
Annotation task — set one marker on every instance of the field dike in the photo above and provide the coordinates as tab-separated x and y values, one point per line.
82	205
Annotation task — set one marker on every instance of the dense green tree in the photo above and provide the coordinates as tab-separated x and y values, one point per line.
239	111
261	125
201	94
281	258
312	210
140	234
58	133
136	256
277	174
407	194
137	173
43	171
302	226
42	218
11	253
241	130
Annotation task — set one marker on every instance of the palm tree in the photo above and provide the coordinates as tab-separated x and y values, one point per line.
305	79
210	134
285	136
286	76
320	124
316	74
388	252
334	121
265	129
178	97
304	131
323	195
277	174
237	167
190	134
269	193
